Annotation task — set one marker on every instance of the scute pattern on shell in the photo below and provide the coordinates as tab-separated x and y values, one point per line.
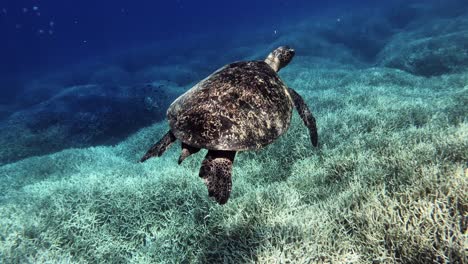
244	105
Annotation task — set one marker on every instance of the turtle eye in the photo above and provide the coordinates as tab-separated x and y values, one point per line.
286	56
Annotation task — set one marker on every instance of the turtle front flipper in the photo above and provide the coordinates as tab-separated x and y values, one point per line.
306	115
162	145
216	171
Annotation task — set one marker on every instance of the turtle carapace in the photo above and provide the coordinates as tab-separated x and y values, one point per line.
242	106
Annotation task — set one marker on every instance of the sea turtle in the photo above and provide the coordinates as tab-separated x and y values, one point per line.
242	106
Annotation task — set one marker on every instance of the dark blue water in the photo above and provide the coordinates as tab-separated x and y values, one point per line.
41	35
38	32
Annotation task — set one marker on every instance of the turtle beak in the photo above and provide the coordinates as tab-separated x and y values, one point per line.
292	51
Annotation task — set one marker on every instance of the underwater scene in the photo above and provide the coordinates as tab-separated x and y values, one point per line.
234	131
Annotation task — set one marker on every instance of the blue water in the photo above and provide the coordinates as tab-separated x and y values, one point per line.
66	30
40	36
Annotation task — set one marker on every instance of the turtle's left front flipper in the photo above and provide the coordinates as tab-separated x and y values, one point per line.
306	115
160	147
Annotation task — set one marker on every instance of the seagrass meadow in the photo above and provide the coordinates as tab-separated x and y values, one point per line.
388	182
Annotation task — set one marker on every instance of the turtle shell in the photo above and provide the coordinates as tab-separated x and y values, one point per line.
242	106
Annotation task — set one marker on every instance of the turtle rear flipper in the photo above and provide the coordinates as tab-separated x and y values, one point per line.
216	171
306	115
162	145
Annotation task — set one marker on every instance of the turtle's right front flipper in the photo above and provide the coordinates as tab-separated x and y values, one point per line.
306	115
162	145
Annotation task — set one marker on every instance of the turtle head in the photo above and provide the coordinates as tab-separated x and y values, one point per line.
280	57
